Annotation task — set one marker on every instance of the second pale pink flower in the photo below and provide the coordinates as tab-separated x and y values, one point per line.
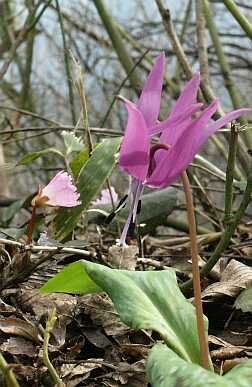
59	192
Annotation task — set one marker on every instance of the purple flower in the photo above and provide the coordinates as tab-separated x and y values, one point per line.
183	133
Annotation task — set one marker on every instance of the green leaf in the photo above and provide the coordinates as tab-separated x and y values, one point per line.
10	211
90	181
244	301
73	279
72	142
166	369
35	155
78	162
144	300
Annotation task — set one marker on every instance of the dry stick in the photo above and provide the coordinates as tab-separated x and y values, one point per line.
8	373
206	91
84	110
202	47
195	271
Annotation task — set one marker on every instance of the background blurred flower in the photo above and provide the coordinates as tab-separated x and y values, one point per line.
105	197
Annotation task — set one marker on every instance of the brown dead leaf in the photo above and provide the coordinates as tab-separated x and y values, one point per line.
16	326
227	353
97	338
130	375
234	278
73	374
102	312
229	364
135	350
123	257
19	346
41	304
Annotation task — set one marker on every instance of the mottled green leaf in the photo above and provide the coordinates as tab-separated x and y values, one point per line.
166	369
144	300
89	183
78	162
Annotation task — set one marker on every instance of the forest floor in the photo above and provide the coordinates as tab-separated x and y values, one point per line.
89	345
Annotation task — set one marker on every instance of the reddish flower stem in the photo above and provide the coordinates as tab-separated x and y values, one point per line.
195	271
31	224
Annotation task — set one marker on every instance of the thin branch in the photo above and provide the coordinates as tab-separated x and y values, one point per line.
240	18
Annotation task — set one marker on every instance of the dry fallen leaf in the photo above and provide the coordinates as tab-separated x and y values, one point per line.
234	278
41	304
19	346
72	374
123	257
16	326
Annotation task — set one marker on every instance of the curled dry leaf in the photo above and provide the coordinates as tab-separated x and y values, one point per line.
19	346
73	374
234	278
16	326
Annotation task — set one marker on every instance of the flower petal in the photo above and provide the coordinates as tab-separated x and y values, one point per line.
183	151
134	153
172	121
188	96
225	119
61	191
149	101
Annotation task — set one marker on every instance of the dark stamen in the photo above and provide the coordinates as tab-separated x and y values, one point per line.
118	208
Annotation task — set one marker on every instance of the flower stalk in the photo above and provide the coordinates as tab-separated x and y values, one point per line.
31	225
195	270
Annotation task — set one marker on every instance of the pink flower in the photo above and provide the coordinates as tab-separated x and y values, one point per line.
182	136
59	192
105	197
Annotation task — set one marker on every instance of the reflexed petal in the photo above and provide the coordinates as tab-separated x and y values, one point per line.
188	96
134	153
61	192
183	151
225	119
149	101
170	123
